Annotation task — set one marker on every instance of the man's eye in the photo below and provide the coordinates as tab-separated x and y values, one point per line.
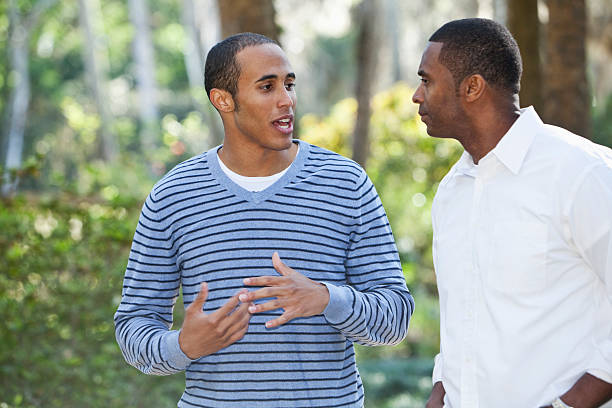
290	86
266	87
424	80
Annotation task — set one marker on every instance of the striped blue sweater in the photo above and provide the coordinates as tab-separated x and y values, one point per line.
325	220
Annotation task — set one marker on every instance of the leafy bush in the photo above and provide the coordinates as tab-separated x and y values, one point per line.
405	165
63	256
62	268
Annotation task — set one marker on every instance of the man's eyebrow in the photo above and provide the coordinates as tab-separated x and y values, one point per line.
274	76
421	73
266	77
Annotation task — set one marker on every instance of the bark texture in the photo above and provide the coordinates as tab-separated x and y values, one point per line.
144	64
195	56
96	71
524	24
256	16
18	51
567	96
368	44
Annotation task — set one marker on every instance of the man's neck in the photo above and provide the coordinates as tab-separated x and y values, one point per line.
486	130
256	162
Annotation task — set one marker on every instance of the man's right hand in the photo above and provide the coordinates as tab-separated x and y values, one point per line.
204	334
436	399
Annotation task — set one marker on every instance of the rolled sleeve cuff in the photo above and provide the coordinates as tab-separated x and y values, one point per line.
436	376
174	355
339	308
602	375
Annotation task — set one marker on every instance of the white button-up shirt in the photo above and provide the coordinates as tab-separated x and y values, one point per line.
523	258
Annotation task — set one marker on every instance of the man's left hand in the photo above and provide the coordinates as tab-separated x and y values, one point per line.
297	295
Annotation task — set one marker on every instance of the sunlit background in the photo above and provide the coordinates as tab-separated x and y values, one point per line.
100	98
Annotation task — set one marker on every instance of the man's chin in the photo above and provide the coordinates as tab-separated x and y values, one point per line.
284	145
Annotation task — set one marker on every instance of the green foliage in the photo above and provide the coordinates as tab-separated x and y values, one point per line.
63	257
403	383
62	261
602	123
406	166
333	64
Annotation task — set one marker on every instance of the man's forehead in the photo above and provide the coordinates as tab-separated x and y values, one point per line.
261	53
263	60
432	51
429	60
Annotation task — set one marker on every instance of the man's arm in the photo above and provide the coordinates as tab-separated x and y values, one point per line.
374	308
587	392
436	398
590	224
144	316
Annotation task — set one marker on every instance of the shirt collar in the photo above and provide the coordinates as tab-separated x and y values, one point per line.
512	149
465	165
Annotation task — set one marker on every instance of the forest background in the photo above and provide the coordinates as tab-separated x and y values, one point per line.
99	98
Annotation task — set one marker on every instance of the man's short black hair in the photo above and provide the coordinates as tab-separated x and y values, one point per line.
221	70
480	46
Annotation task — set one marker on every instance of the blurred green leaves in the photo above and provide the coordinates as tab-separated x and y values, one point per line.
406	166
63	256
63	259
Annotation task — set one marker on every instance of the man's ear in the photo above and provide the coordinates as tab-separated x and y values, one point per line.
473	87
222	100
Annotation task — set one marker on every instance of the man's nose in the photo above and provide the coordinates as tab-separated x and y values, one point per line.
417	97
286	98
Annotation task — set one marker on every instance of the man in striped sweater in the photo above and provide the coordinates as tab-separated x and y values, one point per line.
282	249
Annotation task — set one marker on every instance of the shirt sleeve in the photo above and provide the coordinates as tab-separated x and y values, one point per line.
150	289
375	306
590	223
436	375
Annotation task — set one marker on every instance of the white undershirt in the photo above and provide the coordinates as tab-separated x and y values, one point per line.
252	183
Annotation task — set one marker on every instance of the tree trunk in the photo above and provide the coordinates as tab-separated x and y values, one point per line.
144	61
524	24
568	102
18	50
256	16
392	18
367	55
194	55
95	67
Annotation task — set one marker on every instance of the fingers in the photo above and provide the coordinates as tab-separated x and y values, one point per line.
230	304
264	281
199	301
236	325
266	306
280	266
279	321
261	294
241	326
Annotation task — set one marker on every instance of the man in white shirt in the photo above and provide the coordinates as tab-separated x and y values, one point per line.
522	236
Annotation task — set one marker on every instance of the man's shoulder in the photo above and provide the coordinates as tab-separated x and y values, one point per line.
323	159
184	173
571	150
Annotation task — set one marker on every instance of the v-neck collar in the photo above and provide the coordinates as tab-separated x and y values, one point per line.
257	196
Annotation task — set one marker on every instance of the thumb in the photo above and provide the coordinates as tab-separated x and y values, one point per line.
280	266
198	302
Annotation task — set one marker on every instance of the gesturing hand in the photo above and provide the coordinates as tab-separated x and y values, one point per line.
297	295
203	334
